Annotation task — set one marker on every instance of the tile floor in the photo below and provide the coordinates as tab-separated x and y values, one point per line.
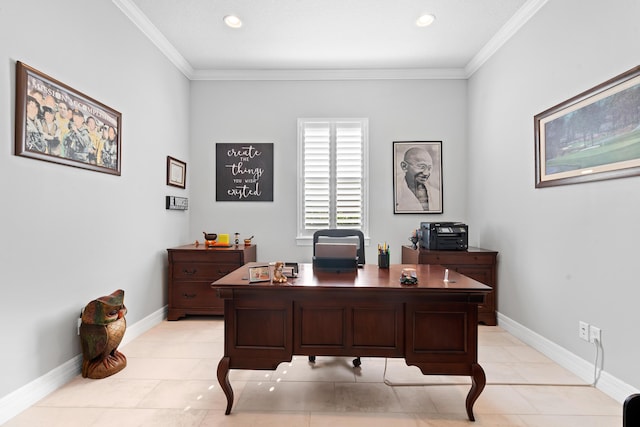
170	380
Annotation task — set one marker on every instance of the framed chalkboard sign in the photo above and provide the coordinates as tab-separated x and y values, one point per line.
244	172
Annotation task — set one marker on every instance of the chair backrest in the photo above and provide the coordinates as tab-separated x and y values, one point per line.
631	411
341	235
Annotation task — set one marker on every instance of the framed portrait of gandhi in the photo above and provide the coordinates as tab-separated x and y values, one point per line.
58	124
417	177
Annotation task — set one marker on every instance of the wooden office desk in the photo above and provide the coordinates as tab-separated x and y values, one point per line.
432	325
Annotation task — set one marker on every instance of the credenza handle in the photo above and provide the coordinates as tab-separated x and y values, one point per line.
189	272
189	296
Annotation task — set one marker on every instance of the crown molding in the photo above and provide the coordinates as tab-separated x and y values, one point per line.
529	9
141	21
330	74
508	30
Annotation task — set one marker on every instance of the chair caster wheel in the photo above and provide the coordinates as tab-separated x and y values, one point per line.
312	359
356	362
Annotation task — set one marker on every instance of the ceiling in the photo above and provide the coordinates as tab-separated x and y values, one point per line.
328	39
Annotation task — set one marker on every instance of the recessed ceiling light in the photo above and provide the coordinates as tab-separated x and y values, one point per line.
425	20
232	21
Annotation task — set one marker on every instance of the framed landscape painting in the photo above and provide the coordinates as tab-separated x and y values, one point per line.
592	136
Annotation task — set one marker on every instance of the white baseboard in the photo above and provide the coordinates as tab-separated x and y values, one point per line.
27	395
608	384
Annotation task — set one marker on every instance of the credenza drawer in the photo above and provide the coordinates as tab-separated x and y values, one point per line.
192	269
217	256
201	271
453	258
194	295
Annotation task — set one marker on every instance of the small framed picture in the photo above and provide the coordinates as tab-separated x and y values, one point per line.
176	172
259	273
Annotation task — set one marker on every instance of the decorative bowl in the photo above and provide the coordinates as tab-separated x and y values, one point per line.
210	236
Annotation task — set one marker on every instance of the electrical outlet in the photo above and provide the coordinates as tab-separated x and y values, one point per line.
594	334
583	330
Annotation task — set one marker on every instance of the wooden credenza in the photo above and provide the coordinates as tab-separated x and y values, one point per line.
479	264
193	268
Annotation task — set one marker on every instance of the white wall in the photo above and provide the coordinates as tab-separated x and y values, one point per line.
567	253
70	235
267	112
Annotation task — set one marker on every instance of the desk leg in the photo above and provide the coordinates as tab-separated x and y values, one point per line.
223	379
478	381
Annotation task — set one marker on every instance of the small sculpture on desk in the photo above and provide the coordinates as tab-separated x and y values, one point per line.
209	239
408	276
278	275
415	238
101	329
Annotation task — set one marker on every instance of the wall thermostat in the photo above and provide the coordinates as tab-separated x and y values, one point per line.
177	203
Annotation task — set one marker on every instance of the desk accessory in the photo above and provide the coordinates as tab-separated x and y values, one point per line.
278	275
259	273
409	276
383	256
209	239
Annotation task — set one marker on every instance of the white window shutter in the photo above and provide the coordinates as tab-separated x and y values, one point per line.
332	171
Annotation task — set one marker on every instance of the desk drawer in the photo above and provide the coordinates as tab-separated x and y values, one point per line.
201	271
460	258
212	255
198	295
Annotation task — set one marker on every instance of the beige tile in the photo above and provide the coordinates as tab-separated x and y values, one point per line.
526	354
366	397
256	419
415	399
571	421
505	400
567	400
108	392
498	373
171	380
485	420
547	373
191	394
286	396
37	416
163	349
151	418
370	419
158	368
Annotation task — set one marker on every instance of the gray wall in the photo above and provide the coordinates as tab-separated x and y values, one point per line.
71	235
566	253
267	112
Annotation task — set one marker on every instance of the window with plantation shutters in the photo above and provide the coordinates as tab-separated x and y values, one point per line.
332	167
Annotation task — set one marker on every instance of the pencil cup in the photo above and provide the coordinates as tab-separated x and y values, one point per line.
383	260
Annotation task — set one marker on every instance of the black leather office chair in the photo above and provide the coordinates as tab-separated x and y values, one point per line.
631	411
337	235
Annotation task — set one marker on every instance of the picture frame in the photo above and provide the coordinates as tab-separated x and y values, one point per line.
414	190
591	137
58	124
176	172
244	172
259	273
